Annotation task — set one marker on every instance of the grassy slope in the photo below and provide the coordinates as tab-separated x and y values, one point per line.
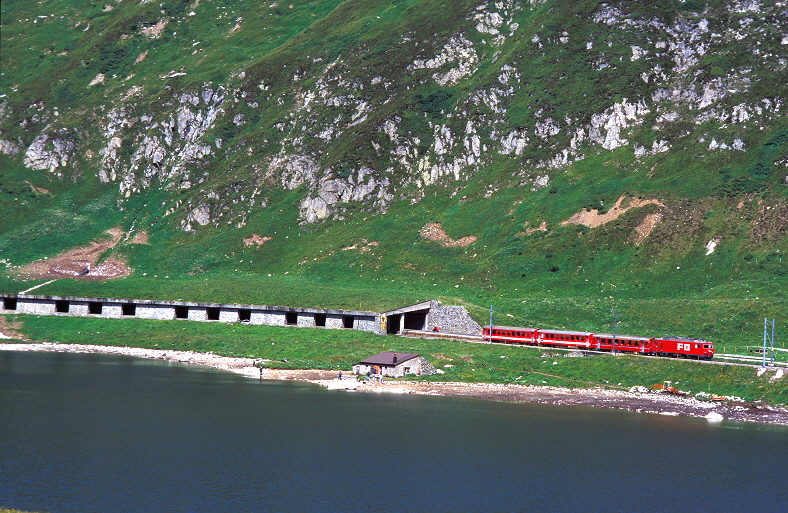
566	277
329	349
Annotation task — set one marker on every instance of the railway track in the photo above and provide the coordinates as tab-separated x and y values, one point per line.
719	359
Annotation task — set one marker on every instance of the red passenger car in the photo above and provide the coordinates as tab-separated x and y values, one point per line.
509	335
624	343
570	339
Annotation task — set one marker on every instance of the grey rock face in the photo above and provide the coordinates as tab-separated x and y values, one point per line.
43	154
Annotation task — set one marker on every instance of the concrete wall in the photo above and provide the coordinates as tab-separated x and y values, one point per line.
367	323
166	310
112	310
197	313
452	319
306	320
157	312
334	321
35	307
268	318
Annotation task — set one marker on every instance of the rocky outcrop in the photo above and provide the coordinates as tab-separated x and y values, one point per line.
49	153
434	110
8	148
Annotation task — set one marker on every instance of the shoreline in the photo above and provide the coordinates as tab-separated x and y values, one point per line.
662	404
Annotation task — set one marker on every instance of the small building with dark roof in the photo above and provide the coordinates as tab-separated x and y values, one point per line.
394	365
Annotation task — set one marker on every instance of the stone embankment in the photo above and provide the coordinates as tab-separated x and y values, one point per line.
597	397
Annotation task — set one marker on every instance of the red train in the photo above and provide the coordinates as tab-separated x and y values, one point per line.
677	347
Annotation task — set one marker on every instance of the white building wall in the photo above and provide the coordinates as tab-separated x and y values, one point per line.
37	307
333	322
367	324
78	308
228	315
269	318
112	310
397	371
198	314
306	320
158	312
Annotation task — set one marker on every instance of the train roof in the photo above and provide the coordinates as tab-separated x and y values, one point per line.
618	336
518	328
682	339
561	332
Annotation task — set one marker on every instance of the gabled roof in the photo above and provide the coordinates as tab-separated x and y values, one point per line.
388	358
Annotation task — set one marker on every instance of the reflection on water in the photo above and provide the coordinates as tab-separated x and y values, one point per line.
85	433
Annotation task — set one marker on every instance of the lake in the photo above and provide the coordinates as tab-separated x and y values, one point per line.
104	433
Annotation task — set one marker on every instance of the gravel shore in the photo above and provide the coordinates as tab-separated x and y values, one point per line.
663	404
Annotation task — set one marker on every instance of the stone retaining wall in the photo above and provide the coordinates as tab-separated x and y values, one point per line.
201	312
452	319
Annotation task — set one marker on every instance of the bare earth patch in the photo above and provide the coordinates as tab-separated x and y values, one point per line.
37	190
73	262
256	239
154	31
434	232
592	218
9	329
236	28
645	228
440	356
770	224
365	246
140	238
528	230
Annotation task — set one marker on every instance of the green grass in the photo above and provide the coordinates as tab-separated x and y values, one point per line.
568	276
304	348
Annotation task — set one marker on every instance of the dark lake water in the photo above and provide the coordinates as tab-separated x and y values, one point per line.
99	433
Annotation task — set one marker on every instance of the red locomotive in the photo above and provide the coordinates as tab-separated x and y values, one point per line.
676	347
